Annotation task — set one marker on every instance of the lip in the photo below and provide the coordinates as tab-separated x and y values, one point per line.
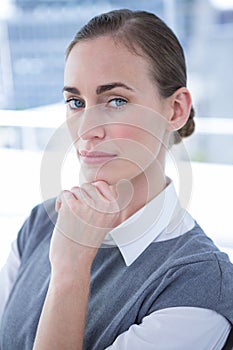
95	157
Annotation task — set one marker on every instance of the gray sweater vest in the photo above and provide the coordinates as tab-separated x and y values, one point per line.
185	271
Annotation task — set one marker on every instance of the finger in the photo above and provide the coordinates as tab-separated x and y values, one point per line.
105	190
100	197
81	194
68	199
99	190
93	198
57	205
76	190
91	191
90	195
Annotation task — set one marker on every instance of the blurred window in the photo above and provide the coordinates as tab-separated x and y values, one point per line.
34	36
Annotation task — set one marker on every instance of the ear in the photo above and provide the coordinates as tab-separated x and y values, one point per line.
180	103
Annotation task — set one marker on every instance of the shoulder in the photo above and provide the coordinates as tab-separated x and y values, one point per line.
195	256
196	273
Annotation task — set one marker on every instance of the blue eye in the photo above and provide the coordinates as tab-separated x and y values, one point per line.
117	102
75	103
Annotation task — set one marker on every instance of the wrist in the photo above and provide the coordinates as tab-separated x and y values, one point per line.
65	252
69	277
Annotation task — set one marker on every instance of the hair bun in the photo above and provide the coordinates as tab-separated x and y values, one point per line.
189	127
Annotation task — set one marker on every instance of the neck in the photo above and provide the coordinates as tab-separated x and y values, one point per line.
135	193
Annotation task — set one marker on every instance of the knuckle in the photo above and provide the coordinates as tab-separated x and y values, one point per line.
75	189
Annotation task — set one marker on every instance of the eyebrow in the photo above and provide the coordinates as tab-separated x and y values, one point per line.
70	89
103	88
100	89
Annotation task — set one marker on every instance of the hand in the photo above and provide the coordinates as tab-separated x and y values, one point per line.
85	215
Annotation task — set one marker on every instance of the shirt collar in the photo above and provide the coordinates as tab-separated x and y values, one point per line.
135	234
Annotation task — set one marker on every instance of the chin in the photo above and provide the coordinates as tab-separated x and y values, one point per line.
90	179
111	172
110	176
92	176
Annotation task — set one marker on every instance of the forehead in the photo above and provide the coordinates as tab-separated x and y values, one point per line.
102	58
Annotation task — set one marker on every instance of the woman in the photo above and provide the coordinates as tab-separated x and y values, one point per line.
127	267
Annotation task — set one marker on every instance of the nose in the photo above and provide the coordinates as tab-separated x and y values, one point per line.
91	125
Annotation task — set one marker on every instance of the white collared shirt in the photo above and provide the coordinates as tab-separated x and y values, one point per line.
161	219
175	328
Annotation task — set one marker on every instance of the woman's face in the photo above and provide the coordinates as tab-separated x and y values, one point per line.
115	114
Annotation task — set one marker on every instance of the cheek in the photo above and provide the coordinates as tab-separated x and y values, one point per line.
138	147
125	132
143	125
134	138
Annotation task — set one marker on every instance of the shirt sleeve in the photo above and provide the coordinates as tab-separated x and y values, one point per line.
8	275
175	329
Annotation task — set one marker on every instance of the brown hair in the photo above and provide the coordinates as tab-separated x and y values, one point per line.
144	30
